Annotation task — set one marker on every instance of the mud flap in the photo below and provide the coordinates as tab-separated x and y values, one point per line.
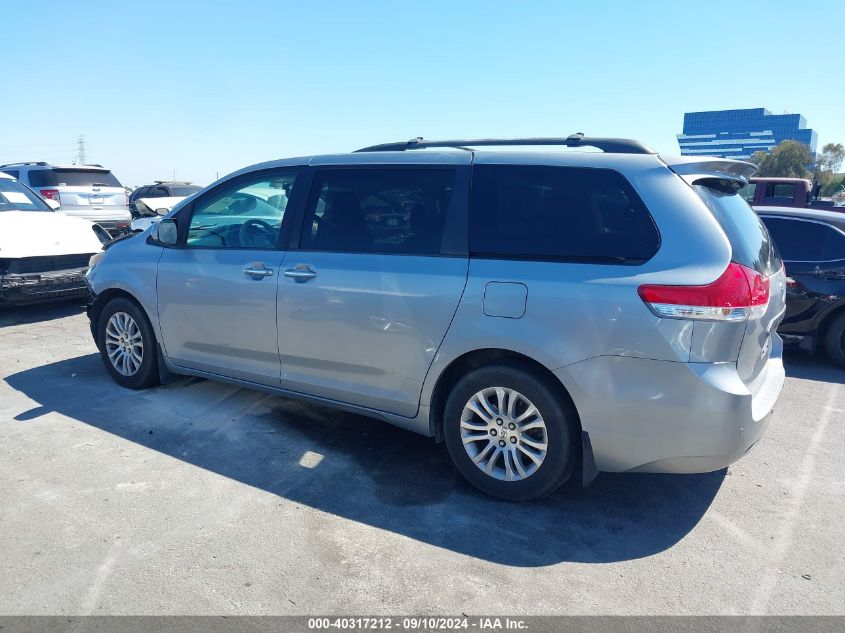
588	462
165	376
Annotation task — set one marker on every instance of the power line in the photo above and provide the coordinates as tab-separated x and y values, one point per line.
66	145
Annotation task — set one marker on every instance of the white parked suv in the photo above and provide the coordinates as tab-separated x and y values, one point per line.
83	191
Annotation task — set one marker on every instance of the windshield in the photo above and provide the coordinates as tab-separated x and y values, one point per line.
72	178
16	197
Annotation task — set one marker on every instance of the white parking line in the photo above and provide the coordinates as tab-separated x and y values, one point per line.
92	595
738	533
783	539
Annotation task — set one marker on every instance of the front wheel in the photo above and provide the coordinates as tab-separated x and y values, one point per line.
127	344
835	341
509	432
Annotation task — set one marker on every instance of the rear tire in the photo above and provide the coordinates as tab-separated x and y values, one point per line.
127	344
495	440
835	340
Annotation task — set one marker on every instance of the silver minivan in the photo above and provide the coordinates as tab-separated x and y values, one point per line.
546	313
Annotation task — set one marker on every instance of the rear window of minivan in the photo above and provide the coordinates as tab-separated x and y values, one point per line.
559	213
72	178
750	241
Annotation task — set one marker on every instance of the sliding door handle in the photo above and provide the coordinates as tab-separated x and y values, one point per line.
300	273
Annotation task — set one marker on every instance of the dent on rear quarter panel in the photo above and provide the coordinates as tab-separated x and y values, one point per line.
714	342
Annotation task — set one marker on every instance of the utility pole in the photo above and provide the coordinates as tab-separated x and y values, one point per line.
81	145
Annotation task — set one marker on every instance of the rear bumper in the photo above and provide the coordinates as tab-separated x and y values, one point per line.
669	417
21	289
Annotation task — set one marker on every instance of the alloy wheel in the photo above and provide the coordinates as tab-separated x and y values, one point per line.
124	344
504	434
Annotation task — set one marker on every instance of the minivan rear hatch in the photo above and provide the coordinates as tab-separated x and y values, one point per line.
717	181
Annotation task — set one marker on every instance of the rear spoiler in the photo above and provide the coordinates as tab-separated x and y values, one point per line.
693	168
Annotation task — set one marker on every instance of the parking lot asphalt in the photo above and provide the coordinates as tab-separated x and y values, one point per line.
203	498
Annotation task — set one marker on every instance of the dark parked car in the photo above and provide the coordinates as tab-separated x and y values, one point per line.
161	189
812	244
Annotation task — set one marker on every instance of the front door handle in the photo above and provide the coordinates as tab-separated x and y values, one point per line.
300	273
253	271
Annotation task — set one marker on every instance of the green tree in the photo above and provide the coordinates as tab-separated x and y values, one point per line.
828	163
788	159
834	185
831	157
758	158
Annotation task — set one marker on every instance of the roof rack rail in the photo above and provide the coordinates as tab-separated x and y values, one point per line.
609	145
25	162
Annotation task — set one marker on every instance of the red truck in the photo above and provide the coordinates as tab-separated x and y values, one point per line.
788	192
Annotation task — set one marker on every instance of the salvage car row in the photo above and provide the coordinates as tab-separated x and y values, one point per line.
56	216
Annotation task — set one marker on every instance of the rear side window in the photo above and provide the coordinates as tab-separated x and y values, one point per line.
14	173
558	213
747	234
391	211
782	190
803	241
72	178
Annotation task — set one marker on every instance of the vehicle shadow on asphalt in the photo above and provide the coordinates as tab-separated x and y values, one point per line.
16	315
367	471
817	367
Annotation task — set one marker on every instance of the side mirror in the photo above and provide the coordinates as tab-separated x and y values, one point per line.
167	232
55	206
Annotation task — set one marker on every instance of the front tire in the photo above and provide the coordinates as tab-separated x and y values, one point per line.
127	344
510	432
835	340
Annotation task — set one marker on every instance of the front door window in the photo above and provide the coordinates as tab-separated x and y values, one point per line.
245	216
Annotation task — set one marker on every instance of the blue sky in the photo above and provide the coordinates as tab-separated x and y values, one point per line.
208	87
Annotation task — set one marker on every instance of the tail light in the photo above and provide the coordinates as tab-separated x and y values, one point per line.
127	199
739	294
52	194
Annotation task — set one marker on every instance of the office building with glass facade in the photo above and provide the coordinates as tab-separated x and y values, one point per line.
740	133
